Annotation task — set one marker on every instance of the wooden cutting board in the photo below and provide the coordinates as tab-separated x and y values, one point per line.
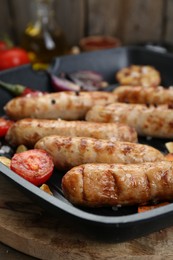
29	229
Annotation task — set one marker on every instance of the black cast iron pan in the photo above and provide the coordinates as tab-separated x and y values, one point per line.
119	223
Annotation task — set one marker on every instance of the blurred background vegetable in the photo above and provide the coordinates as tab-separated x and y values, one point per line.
17	89
5	124
83	80
12	57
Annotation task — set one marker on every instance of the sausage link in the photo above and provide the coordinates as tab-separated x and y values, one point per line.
65	105
141	95
29	131
68	152
139	75
97	185
148	121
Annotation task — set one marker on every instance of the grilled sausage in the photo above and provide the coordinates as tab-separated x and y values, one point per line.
148	121
29	131
97	185
136	75
141	95
68	152
65	105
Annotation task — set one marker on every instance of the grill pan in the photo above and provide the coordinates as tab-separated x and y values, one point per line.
120	223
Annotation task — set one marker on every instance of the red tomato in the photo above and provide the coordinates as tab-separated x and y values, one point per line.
3	46
13	57
31	92
4	126
36	165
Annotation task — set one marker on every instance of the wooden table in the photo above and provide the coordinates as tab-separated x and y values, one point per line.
28	229
8	253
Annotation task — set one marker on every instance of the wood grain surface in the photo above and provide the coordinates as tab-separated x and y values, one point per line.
9	253
27	228
132	21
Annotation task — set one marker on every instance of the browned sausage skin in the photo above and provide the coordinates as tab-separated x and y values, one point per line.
97	185
136	75
141	95
29	131
147	120
66	105
68	152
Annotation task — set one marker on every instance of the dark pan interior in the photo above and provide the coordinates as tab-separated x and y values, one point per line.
125	222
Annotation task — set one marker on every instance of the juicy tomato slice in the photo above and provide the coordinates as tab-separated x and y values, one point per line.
36	165
4	126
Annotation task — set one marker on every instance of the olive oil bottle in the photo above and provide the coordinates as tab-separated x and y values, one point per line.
43	38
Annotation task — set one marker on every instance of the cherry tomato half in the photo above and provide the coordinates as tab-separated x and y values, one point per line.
13	57
4	126
36	165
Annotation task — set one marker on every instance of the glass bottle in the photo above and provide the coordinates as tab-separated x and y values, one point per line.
44	39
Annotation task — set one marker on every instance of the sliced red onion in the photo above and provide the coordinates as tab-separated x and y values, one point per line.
88	80
62	84
87	75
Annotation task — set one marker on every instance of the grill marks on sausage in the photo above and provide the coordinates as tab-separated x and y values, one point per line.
84	197
118	184
171	124
164	178
170	106
126	149
68	152
98	146
148	188
110	187
24	131
106	182
66	105
83	144
147	121
117	187
140	95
